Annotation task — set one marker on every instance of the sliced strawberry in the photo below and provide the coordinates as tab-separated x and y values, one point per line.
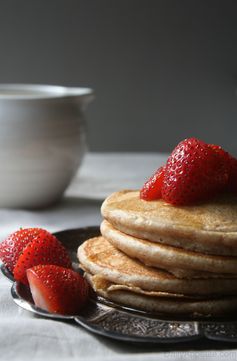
43	249
152	188
194	172
57	289
13	245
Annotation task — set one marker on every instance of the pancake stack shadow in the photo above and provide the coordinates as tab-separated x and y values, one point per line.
159	258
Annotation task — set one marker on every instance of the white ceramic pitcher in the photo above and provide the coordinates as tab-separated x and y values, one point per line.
42	142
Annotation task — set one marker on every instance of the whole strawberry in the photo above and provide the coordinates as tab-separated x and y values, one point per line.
232	183
194	172
57	289
13	245
227	157
45	248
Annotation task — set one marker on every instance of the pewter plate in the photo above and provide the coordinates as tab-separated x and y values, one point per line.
121	323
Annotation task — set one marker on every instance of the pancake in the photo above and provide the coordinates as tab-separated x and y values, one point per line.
209	227
99	257
181	262
99	282
158	302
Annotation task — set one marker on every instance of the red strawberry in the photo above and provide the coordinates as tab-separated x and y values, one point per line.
232	183
221	152
194	172
152	188
57	289
12	247
43	249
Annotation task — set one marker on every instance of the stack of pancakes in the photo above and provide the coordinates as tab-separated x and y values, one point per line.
161	258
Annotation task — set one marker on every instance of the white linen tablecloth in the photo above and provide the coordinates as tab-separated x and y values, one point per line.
29	338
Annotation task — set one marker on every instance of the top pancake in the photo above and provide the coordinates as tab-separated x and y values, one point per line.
209	227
